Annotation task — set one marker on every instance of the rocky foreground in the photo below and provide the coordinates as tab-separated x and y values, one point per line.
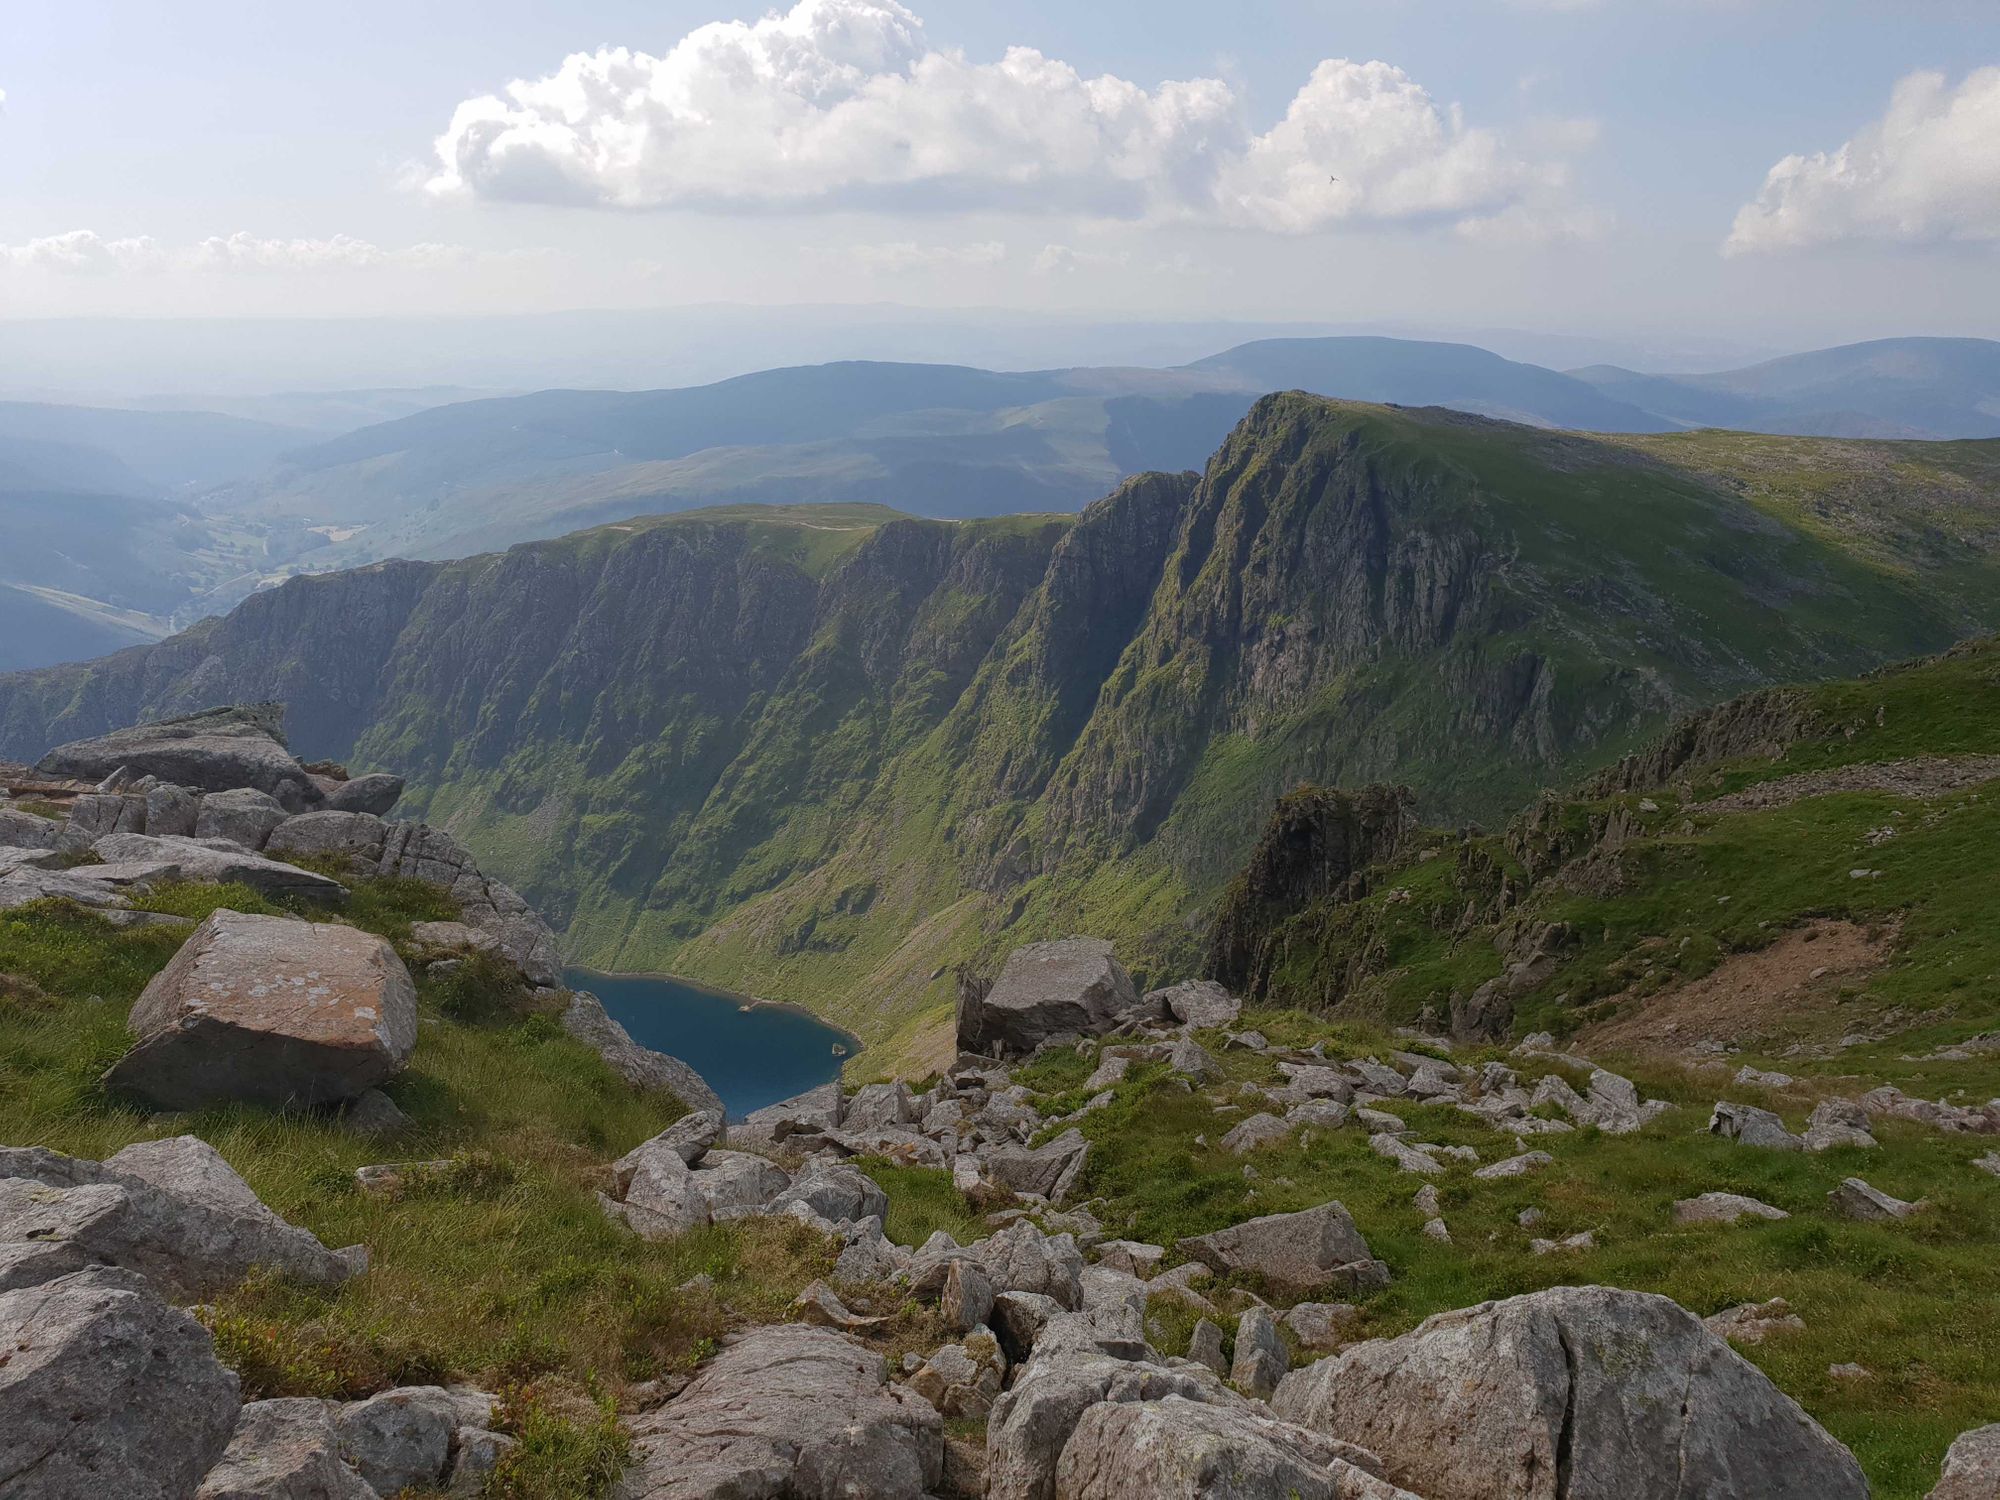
1048	1378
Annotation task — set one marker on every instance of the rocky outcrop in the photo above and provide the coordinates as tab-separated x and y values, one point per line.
220	866
286	1449
587	1021
215	751
1313	849
788	1410
107	1391
1074	987
273	1010
1582	1393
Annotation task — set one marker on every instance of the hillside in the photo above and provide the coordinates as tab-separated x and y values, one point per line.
1891	388
824	755
482	1251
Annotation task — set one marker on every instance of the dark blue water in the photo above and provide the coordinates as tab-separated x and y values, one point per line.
752	1055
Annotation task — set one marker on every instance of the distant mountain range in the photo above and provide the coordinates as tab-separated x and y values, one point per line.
328	487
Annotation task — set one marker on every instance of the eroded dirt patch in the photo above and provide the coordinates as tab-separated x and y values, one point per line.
1780	996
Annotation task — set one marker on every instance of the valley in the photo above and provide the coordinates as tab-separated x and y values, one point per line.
828	754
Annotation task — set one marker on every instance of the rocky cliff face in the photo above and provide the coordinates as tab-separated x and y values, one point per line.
827	753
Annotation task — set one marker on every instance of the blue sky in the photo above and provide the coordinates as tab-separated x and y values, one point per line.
1557	164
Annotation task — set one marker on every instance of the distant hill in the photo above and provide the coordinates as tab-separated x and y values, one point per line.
167	449
41	628
1898	388
1409	373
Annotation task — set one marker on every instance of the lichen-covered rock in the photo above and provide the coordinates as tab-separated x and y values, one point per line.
1197	1004
106	1391
401	1439
1296	1252
1749	1126
1072	986
353	836
273	1011
835	1192
788	1411
1579	1393
1722	1208
1260	1358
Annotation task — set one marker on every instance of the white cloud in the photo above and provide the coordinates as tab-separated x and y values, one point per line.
85	251
1061	260
1928	171
900	256
845	104
82	252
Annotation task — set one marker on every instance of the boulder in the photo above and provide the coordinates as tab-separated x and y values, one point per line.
1753	1322
1724	1208
1579	1393
587	1021
1260	1359
1020	1258
1045	989
1047	1171
373	794
201	861
1205	1348
835	1192
1254	1131
23	830
353	836
967	1300
1838	1122
215	751
1514	1166
170	1210
788	1410
1196	1004
242	816
287	1449
453	937
476	1453
401	1439
1971	1466
879	1106
1322	1325
1190	1059
1293	1253
106	1391
1855	1199
1068	1374
417	851
1749	1126
961	1380
688	1138
171	809
273	1011
1177	1449
1131	1256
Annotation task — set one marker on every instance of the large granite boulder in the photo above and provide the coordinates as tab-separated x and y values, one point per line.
374	794
205	861
288	1449
241	815
347	835
402	1439
1197	1004
1971	1467
215	751
23	830
1294	1253
1071	986
642	1067
1177	1449
106	1391
1579	1393
1070	1371
270	1010
171	1210
788	1411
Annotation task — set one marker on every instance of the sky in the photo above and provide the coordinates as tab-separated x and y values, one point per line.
1748	172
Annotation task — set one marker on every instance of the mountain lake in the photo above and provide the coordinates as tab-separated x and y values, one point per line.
752	1053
